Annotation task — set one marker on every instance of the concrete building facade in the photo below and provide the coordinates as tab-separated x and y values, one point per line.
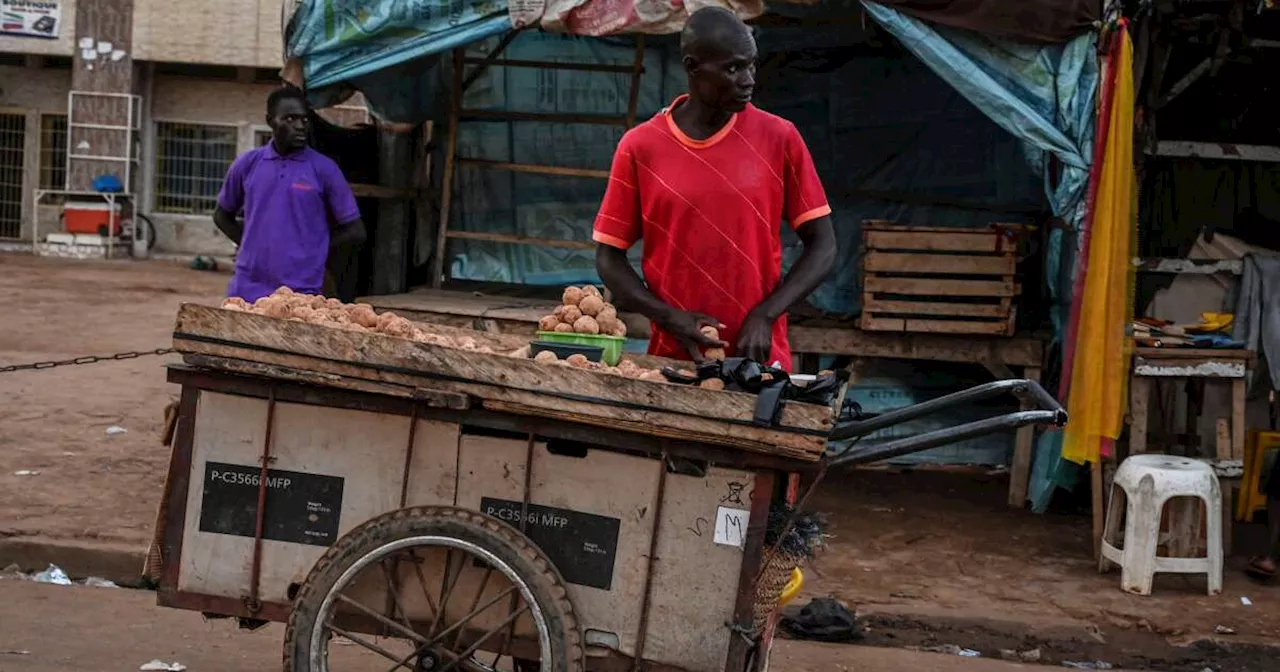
196	75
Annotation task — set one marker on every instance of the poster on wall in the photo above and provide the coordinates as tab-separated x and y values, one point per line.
30	18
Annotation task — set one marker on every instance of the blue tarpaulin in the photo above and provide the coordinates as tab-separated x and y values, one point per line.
342	40
1044	96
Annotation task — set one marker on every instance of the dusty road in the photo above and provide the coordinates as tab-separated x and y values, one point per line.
75	629
930	559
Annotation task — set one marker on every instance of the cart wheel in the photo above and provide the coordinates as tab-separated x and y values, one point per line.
433	588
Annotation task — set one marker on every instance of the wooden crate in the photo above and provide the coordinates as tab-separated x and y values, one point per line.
939	280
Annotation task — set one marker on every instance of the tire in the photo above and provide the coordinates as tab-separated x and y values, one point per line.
507	544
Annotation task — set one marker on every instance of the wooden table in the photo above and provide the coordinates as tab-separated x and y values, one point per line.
1005	357
1230	366
1225	366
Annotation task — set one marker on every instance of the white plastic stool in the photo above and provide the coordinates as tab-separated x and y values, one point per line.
1148	482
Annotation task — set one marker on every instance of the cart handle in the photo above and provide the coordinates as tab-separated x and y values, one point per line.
1050	413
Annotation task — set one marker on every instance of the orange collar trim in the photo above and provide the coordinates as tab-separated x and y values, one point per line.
685	139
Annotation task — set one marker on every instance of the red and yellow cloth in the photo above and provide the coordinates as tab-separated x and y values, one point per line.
1099	365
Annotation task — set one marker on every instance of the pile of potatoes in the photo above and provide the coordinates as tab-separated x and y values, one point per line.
583	310
285	304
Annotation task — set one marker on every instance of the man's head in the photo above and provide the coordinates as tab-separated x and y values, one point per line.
719	58
287	117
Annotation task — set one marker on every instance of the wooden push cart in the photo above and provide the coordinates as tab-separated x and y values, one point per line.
402	505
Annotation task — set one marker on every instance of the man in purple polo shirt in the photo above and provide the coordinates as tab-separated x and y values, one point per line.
297	207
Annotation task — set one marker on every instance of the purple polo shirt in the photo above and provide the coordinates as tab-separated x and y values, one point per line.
290	204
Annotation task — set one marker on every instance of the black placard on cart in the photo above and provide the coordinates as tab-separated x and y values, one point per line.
301	508
583	546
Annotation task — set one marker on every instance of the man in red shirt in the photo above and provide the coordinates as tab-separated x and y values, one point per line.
706	185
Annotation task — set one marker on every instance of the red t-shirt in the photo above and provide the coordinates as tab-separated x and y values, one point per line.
709	212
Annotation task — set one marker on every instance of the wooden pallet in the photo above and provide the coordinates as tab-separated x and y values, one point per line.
939	280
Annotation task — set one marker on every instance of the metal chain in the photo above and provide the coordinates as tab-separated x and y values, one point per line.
87	359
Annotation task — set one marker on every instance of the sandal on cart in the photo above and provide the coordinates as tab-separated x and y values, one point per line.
1260	572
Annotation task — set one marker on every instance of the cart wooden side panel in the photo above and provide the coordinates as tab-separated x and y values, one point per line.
652	568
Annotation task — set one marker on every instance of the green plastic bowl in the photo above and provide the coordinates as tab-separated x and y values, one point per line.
612	345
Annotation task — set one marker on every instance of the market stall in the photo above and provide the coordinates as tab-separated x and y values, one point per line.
432	493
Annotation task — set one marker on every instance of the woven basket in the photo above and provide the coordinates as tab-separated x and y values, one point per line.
773	578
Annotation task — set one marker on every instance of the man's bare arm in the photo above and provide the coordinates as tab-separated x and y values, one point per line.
350	234
227	223
755	339
819	255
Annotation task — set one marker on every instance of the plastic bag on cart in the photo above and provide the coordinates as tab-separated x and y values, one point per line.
771	385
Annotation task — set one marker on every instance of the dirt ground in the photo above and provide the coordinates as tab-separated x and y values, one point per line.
929	559
119	630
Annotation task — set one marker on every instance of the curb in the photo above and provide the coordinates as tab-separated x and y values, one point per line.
118	562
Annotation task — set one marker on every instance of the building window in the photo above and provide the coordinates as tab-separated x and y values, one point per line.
191	162
53	151
12	129
261	138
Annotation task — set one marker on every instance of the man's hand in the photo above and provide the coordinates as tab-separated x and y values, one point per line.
687	327
755	338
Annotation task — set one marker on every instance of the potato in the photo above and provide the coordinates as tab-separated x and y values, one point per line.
363	315
282	291
714	353
591	305
564	328
579	360
621	329
570	315
712	384
711	332
548	323
608	325
236	303
592	290
653	377
571	296
607	311
545	356
273	306
586	325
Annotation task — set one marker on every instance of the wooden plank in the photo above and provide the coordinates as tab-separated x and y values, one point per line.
1194	353
886	225
933	287
625	68
876	261
533	169
210	331
522	240
1020	469
1017	351
434	399
1190	266
551	118
994	310
986	241
1139	401
1189	368
1238	428
898	324
379	191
